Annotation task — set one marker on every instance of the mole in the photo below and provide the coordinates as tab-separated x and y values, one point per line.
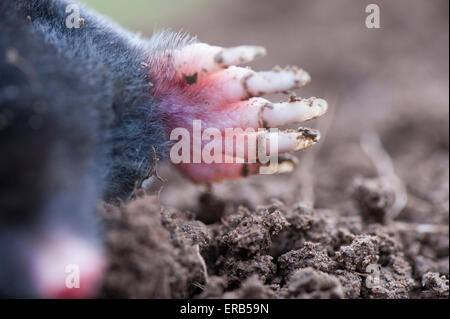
82	112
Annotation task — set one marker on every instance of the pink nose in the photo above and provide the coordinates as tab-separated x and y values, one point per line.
67	267
87	286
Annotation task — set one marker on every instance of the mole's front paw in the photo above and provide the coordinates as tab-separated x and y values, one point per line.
204	89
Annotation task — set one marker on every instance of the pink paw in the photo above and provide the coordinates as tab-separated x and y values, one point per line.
204	84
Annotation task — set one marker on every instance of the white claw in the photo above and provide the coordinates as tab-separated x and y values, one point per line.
294	140
286	163
295	111
277	80
247	145
238	55
241	83
258	112
285	167
202	59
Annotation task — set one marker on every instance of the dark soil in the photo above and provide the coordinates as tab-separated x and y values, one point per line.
328	229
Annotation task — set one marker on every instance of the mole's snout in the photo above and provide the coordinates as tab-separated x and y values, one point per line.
67	267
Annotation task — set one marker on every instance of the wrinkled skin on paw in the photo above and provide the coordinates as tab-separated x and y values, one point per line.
203	83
